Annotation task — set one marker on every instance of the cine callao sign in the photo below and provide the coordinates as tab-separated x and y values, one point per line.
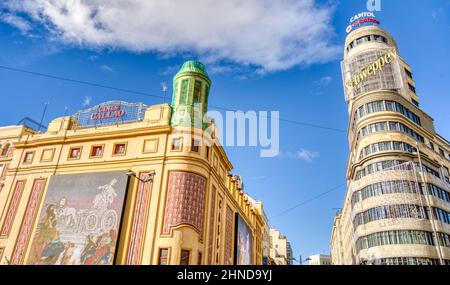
372	69
361	19
108	112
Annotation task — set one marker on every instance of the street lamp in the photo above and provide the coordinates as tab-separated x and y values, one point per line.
303	261
149	177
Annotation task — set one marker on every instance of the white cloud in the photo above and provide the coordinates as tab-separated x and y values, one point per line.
267	34
18	22
324	81
304	154
87	101
106	68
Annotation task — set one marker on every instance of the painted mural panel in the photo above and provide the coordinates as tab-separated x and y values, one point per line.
79	220
243	243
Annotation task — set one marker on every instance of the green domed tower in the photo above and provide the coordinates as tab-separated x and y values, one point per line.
190	96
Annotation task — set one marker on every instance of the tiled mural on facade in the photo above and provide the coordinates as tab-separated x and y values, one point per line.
185	201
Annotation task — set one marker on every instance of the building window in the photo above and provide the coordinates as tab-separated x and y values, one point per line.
415	102
386	146
207	152
184	259
431	145
446	171
28	157
75	153
184	90
97	151
401	237
197	91
199	262
176	144
195	145
408	73
5	150
441	152
412	88
163	256
391	126
120	149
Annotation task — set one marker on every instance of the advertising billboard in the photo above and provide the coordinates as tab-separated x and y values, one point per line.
243	243
372	70
80	219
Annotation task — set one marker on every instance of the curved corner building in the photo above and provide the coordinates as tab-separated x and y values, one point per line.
127	183
397	205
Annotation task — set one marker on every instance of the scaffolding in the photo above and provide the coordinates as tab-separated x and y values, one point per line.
402	199
388	78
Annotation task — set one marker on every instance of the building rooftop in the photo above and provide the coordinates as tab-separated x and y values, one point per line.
193	66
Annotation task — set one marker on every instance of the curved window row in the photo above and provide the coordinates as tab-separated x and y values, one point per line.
441	215
408	261
390	126
369	38
382	106
386	146
400	212
379	166
390	212
398	186
401	237
429	170
390	165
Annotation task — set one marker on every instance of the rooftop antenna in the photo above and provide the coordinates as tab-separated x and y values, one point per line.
164	90
43	115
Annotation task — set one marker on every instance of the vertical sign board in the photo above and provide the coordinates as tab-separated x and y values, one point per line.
243	245
80	219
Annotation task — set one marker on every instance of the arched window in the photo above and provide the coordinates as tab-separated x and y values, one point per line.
5	150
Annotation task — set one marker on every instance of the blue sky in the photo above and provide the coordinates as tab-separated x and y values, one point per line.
300	77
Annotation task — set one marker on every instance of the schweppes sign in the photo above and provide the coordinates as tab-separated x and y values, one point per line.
371	70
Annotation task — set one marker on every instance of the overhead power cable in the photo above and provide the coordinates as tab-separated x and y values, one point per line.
308	201
124	90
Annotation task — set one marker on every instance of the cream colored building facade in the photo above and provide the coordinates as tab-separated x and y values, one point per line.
159	225
319	259
393	212
280	248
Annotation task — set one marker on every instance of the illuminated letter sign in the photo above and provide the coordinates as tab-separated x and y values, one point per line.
371	69
108	112
361	19
111	113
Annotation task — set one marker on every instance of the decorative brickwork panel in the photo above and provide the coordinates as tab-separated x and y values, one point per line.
185	203
2	250
12	209
229	237
140	213
28	221
212	212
